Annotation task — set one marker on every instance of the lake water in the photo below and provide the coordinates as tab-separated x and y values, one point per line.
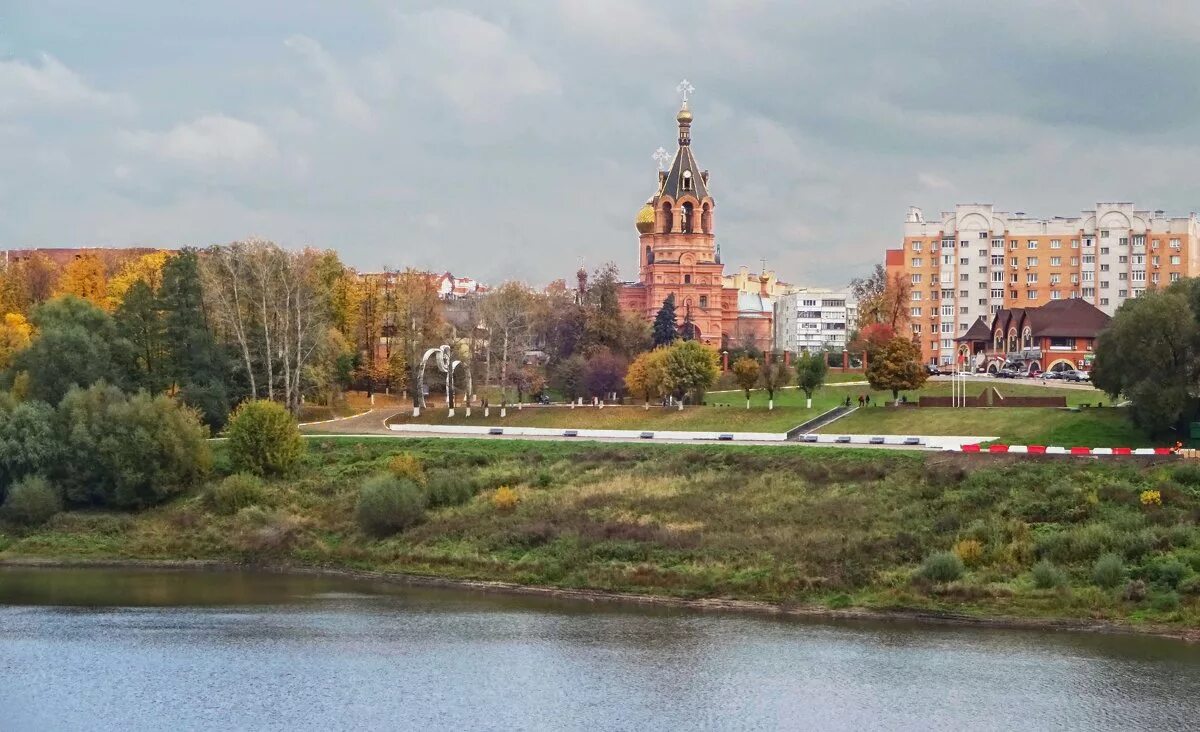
154	650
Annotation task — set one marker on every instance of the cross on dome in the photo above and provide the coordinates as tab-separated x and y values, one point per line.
685	90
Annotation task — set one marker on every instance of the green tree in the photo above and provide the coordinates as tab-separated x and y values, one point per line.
567	377
76	344
690	369
127	451
605	324
192	359
29	440
264	439
139	321
664	329
746	372
811	370
1148	354
897	367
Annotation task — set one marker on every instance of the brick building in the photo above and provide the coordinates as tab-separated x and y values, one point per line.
1057	336
974	261
678	255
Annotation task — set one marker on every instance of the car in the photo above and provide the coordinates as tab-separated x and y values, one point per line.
1007	374
1076	375
1051	375
932	370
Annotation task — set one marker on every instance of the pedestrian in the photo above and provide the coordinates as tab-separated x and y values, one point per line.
860	400
847	400
868	400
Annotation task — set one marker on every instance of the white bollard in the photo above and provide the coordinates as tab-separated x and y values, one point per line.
451	413
487	412
503	412
416	411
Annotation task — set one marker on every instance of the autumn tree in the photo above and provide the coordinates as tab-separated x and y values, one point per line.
507	312
646	375
85	278
775	375
528	380
604	374
746	372
897	367
192	359
605	324
146	269
139	321
15	335
811	369
882	299
414	321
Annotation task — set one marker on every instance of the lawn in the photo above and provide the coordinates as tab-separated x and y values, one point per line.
1107	427
700	419
830	396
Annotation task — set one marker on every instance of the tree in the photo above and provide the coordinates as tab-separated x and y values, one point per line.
528	380
872	338
690	368
15	335
508	315
1148	353
604	374
85	278
664	330
127	451
567	377
775	375
646	375
882	299
811	370
29	440
603	307
897	368
746	372
139	321
77	344
192	360
146	269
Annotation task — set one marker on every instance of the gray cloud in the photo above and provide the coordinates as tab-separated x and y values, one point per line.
512	139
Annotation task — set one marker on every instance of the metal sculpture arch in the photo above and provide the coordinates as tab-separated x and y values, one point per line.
442	360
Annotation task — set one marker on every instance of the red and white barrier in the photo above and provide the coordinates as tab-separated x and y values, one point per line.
1053	450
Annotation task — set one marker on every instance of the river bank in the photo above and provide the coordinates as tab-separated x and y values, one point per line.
719	605
844	533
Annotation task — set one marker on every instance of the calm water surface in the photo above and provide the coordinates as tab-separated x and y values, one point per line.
134	650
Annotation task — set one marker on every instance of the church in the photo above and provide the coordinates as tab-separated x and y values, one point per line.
678	255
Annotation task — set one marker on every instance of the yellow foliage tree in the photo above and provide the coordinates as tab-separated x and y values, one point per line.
146	268
15	334
85	278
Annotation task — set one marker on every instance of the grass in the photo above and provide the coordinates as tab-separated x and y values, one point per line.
833	394
843	528
1020	425
726	419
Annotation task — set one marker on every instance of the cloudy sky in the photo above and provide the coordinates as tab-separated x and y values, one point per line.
513	139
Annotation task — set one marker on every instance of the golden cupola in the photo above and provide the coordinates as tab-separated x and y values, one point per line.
645	219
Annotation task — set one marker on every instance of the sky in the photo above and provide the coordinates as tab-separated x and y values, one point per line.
513	140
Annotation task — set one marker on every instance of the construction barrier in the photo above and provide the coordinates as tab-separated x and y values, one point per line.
1075	450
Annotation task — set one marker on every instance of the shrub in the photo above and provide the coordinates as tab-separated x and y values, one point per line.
1188	474
236	492
505	498
1150	498
449	489
1047	576
32	501
1169	572
127	451
387	504
263	439
942	567
1135	591
970	551
407	466
1165	602
1190	586
1109	571
29	440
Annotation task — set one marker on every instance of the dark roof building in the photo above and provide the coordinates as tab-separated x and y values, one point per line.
1061	333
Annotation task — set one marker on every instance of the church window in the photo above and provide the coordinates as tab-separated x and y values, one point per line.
687	279
704	301
686	219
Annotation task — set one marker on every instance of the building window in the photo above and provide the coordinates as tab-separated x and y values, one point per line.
915	296
687	279
1104	233
1030	278
1123	241
1174	276
1031	261
963	310
704	301
1174	243
915	312
947	311
998	293
1104	301
1055	295
1031	294
1088	275
916	262
1122	293
1075	243
1056	243
916	246
1174	259
1032	244
947	327
1055	261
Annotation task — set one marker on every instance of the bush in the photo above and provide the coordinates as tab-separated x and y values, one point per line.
1109	571
406	465
1168	572
449	489
127	451
236	492
969	551
1165	602
1047	576
264	439
387	504
942	567
505	498
1188	474
32	501
1135	591
29	440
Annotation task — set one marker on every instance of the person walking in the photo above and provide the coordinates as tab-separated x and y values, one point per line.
860	400
868	400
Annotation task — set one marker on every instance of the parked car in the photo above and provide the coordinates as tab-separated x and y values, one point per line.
1052	375
1076	375
1007	374
932	369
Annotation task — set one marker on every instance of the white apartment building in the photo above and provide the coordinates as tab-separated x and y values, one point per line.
810	319
974	260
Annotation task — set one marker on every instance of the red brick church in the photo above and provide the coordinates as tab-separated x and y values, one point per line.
678	255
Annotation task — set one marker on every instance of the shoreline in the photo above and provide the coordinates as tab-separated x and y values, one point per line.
721	605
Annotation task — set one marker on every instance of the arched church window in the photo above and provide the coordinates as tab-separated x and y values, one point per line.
649	255
1027	338
668	221
706	219
687	279
686	219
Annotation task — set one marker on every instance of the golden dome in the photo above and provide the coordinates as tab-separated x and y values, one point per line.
685	115
645	219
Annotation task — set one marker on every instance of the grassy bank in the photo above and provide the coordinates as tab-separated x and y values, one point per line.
1021	425
834	528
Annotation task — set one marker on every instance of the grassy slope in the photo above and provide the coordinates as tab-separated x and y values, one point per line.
631	418
1089	428
841	528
